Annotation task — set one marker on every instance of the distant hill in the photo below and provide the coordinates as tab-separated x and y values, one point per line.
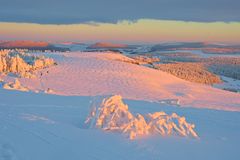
107	46
190	45
31	45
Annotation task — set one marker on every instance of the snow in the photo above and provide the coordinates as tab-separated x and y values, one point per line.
16	85
107	45
229	84
113	114
201	53
97	73
40	126
21	63
36	126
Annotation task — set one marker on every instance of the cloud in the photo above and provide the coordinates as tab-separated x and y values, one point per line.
112	11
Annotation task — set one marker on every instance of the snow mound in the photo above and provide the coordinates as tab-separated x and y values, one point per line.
113	115
16	85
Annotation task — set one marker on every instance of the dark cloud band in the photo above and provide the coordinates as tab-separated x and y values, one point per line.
79	11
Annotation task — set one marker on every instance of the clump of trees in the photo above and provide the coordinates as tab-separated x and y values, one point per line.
225	66
21	63
16	85
193	72
145	59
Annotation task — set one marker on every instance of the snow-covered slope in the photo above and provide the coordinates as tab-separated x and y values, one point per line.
91	74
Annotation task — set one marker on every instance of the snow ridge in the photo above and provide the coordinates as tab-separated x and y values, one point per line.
113	115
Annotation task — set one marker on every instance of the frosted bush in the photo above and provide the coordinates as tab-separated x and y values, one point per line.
16	85
113	115
21	63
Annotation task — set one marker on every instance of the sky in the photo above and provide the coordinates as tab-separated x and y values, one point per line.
148	21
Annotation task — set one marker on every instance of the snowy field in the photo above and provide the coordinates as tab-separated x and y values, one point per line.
51	125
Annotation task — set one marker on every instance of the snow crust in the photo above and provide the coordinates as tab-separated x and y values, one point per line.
113	115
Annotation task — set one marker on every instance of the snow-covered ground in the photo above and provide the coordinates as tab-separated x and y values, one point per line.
52	126
40	126
91	74
201	53
229	84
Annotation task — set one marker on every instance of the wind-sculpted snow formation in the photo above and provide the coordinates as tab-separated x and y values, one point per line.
21	63
113	115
